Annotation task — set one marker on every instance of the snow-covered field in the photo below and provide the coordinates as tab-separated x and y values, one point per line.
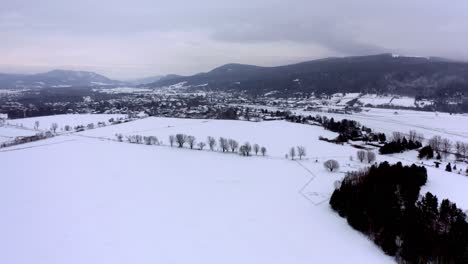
72	120
341	99
277	136
453	126
120	90
86	198
8	133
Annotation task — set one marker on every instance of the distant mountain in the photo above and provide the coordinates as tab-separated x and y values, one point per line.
146	80
383	73
55	78
152	79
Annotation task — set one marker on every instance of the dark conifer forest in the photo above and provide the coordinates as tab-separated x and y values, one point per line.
384	203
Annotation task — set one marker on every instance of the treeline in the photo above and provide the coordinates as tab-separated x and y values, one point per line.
401	143
222	144
444	147
26	139
383	202
347	129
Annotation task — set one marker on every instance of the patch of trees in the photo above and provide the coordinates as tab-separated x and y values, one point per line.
27	139
299	151
383	202
225	145
426	152
444	147
400	143
366	156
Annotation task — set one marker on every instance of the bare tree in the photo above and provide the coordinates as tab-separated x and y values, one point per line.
292	153
201	145
370	156
150	140
223	144
248	148
464	150
412	135
263	150
233	145
459	149
419	137
181	139
191	141
397	136
211	143
118	136
446	147
436	143
135	139
245	149
256	148
301	151
54	127
36	125
171	140
331	165
361	155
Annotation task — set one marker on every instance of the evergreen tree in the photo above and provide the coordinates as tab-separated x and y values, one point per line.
448	167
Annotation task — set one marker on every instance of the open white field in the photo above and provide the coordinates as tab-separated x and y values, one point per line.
454	127
277	136
83	200
9	133
62	120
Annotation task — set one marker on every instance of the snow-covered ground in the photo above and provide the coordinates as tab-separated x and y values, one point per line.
120	90
86	198
341	99
277	136
453	126
72	120
8	133
82	200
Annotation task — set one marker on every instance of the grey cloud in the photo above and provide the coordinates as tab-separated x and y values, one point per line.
160	35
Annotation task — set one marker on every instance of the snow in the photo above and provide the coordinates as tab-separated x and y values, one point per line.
61	86
177	85
277	143
375	100
9	133
428	123
100	83
119	90
86	198
404	101
62	120
448	185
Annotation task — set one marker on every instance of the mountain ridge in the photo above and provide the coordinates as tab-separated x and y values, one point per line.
55	78
380	73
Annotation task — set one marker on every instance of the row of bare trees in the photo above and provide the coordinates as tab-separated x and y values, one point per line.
413	135
441	145
224	145
445	146
138	139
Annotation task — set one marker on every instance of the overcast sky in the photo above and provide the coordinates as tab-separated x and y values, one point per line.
138	38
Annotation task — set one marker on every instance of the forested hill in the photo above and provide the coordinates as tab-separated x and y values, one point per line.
383	73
